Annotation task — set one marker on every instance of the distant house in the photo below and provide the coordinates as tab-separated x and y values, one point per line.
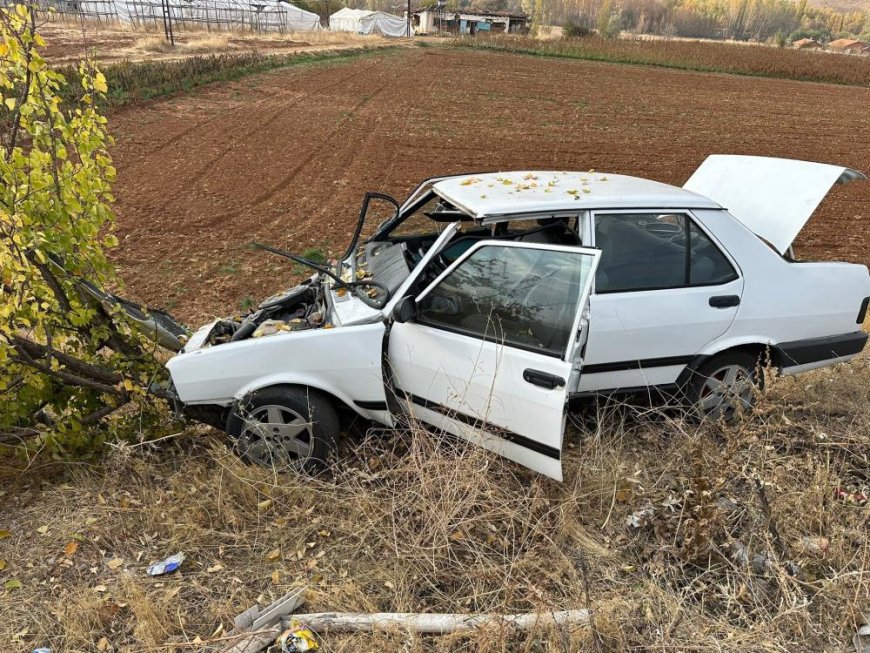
806	44
849	46
438	19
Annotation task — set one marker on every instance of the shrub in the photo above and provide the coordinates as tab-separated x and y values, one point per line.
573	28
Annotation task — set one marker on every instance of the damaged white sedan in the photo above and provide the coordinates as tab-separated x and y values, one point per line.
488	301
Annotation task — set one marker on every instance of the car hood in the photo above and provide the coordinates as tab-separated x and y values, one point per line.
774	198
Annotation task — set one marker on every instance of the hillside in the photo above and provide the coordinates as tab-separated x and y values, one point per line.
843	5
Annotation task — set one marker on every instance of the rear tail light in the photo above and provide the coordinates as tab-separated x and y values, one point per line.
862	312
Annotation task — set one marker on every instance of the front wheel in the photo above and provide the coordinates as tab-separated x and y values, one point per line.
285	428
724	387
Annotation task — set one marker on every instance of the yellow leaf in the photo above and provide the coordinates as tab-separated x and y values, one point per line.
42	530
115	563
216	567
2	565
70	548
100	83
265	504
623	495
4	534
12	584
276	577
10	103
274	554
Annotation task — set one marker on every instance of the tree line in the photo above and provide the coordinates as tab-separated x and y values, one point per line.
741	20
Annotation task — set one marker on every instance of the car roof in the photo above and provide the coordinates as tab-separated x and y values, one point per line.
495	194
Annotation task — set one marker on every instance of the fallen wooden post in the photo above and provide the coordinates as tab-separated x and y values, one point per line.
343	622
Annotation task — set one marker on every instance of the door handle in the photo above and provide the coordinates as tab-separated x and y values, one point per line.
724	301
543	379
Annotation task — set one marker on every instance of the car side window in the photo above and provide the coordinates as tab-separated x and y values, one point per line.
708	265
524	297
650	251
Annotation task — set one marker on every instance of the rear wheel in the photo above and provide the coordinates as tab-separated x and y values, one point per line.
285	428
724	387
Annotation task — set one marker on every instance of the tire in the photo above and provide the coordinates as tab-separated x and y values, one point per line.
724	387
286	428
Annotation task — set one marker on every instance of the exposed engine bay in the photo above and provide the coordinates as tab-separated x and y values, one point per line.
296	309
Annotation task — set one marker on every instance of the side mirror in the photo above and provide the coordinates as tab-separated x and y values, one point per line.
405	310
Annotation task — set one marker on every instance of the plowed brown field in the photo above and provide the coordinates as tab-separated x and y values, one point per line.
284	157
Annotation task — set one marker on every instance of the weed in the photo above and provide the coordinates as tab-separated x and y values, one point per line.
247	303
230	267
313	254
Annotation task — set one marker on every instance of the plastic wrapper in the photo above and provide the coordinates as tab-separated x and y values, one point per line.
166	566
298	638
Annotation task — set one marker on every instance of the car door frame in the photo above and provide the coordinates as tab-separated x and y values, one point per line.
568	356
664	372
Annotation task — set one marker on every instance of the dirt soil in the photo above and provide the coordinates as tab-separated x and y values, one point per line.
69	42
285	157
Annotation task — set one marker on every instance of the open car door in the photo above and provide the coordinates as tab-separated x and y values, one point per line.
490	349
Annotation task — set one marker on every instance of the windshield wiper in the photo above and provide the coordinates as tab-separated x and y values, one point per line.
350	286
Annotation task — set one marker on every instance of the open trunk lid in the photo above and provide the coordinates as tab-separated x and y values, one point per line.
774	198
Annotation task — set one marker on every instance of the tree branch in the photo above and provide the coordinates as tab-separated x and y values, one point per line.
87	375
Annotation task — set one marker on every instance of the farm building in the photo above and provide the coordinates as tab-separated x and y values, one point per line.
849	46
360	21
433	20
806	44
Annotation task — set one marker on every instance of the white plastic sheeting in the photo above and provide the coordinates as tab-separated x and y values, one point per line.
299	20
257	15
360	21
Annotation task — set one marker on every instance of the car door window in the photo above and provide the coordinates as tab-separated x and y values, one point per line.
708	264
649	251
522	297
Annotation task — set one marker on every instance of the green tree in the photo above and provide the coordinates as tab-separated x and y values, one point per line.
602	20
66	360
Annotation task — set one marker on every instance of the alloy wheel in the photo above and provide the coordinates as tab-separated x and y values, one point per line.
726	391
276	436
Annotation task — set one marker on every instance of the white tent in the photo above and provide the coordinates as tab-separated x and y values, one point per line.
360	21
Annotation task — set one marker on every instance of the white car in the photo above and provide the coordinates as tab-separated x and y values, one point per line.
488	301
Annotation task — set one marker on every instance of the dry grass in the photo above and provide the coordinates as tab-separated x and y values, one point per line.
198	44
724	555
